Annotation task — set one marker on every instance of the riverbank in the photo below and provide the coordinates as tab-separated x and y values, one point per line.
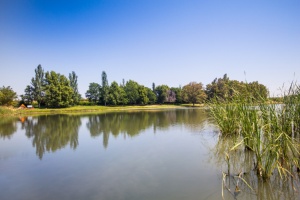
9	111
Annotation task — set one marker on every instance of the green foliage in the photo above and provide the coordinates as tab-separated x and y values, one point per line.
38	84
132	91
74	85
7	95
58	92
151	96
93	93
104	90
161	93
28	97
84	102
225	89
178	94
143	96
5	110
271	131
116	94
193	93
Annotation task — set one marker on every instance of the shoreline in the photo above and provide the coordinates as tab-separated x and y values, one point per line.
8	111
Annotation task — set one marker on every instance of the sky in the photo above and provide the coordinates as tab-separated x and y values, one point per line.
170	42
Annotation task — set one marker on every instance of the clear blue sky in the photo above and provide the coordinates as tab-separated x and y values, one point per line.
170	42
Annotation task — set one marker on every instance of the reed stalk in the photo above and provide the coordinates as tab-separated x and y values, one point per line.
271	131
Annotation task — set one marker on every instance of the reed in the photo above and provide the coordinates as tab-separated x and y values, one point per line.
271	131
226	117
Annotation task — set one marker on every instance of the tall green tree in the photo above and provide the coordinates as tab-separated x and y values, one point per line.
7	95
28	97
104	88
143	95
153	87
58	92
74	85
161	93
132	91
219	88
151	96
123	95
193	93
115	94
38	84
93	93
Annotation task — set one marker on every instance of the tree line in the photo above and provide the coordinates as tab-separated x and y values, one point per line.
132	93
54	90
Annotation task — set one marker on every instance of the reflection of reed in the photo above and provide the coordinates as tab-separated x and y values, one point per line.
241	180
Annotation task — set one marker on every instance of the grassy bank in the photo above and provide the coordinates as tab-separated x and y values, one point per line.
4	111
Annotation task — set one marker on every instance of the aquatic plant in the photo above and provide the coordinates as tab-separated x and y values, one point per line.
271	131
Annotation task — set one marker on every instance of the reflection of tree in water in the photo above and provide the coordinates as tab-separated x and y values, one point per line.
51	133
8	126
132	123
240	162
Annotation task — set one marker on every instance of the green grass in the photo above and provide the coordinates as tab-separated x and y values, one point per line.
83	109
5	110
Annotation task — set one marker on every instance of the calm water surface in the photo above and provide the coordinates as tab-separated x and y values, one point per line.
172	154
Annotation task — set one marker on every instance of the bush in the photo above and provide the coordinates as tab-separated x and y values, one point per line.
7	95
85	103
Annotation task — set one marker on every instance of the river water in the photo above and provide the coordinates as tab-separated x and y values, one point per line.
170	154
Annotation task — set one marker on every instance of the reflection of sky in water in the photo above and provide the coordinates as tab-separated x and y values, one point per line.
168	155
166	162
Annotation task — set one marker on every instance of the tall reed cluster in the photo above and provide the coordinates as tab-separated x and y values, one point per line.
271	131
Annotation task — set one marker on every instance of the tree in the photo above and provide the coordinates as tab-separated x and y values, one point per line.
28	97
58	92
74	85
225	89
151	95
7	95
193	93
153	87
104	88
115	94
219	88
171	96
178	94
258	91
161	93
132	91
38	84
143	97
123	95
93	93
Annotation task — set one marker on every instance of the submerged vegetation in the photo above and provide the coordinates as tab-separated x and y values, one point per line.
270	133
